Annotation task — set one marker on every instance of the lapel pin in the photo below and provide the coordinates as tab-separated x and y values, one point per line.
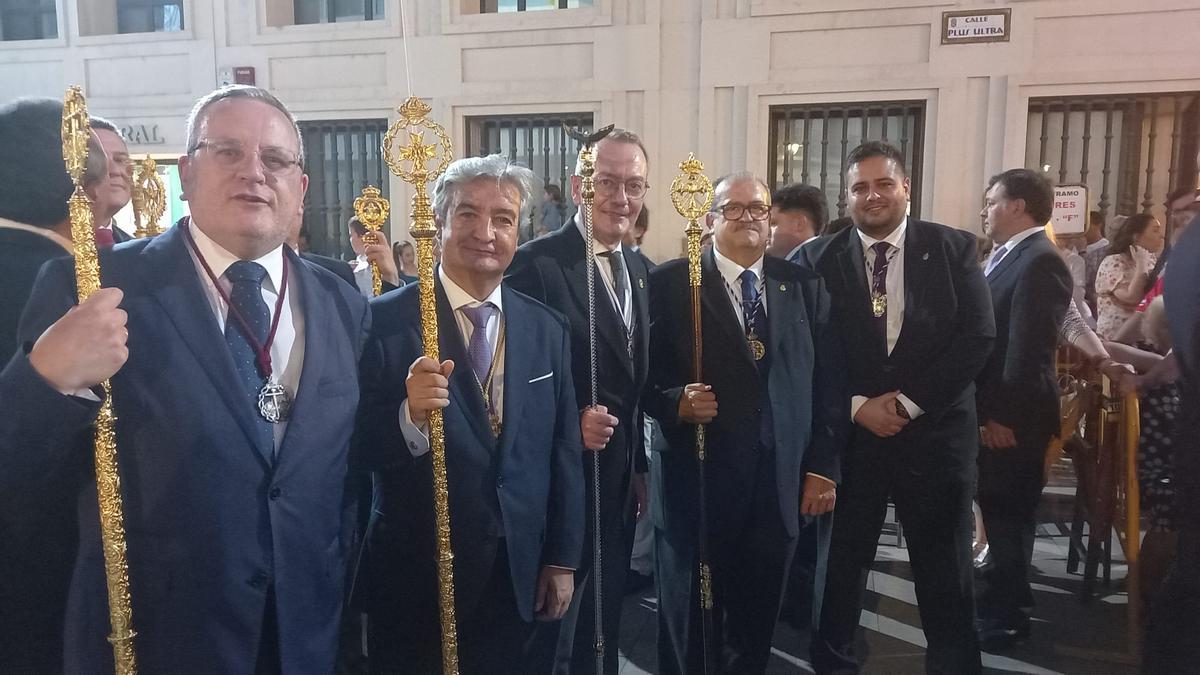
641	283
925	257
783	287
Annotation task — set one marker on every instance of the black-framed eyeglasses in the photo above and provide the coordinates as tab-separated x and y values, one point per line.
229	154
635	188
735	211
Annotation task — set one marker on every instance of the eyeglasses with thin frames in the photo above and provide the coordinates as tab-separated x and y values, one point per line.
229	154
635	188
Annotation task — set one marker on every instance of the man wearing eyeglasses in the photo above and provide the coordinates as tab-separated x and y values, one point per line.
771	397
233	366
553	269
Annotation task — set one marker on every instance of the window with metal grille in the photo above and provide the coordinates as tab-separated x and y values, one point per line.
341	158
28	20
333	11
538	142
149	16
506	6
809	144
1129	150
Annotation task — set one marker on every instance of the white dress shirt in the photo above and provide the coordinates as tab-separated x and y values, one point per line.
894	285
363	278
287	350
792	253
606	272
416	437
731	273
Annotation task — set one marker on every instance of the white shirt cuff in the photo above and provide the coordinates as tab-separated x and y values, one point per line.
856	402
416	438
914	410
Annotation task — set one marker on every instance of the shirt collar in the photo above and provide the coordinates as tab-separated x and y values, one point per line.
896	238
219	259
1098	244
732	271
458	298
798	247
599	247
53	236
1022	236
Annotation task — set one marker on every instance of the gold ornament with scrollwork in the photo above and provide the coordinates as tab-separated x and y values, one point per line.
372	209
149	197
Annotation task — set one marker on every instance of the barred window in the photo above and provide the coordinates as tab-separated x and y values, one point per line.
149	16
809	143
341	158
1129	150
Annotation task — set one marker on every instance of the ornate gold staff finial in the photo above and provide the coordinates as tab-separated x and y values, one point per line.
149	197
75	134
372	209
692	196
411	163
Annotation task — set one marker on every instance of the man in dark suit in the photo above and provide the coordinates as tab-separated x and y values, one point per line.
915	438
552	269
110	190
1017	391
798	212
1173	637
511	438
237	527
772	364
34	228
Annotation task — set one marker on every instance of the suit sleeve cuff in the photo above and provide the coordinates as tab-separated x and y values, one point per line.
811	473
415	438
914	410
856	402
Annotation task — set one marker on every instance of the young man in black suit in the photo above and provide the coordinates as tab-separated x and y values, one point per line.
772	363
912	308
1017	391
552	269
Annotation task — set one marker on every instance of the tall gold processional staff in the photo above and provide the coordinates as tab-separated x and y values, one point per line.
372	209
75	134
149	197
411	163
692	196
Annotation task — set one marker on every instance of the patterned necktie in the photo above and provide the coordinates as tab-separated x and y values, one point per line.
480	350
879	282
751	302
996	258
246	299
617	262
104	237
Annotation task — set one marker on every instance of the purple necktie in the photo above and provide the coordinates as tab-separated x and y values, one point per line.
104	237
480	350
879	282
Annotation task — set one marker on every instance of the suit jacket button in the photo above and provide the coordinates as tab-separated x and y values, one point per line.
258	580
275	492
500	481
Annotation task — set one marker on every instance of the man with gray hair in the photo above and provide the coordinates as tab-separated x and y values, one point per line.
512	444
233	372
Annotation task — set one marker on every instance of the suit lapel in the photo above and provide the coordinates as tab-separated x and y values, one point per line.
518	364
464	389
783	309
176	285
916	271
317	343
641	312
715	299
1010	258
608	324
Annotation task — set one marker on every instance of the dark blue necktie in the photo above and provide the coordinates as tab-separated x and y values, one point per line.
247	301
753	312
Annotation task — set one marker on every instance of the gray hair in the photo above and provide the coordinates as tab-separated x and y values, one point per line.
736	177
233	91
619	135
468	169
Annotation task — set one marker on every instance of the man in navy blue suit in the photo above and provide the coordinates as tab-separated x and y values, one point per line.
236	516
512	439
773	365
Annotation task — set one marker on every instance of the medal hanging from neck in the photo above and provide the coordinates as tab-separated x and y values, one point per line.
878	304
274	402
757	349
485	388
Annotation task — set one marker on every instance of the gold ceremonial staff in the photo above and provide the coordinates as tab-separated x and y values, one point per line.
587	171
372	209
75	134
414	120
149	199
692	195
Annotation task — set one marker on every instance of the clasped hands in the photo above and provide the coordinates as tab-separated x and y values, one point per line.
879	415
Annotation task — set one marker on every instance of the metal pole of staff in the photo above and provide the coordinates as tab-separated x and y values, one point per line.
587	170
75	134
692	195
411	163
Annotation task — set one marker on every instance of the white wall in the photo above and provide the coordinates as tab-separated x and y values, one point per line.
689	75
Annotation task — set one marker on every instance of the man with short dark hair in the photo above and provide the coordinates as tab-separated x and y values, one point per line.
552	269
233	368
1017	391
912	308
798	213
1183	206
110	192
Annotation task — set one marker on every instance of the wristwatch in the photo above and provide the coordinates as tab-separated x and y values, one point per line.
901	410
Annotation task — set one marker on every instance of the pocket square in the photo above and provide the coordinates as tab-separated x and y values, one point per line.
542	377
